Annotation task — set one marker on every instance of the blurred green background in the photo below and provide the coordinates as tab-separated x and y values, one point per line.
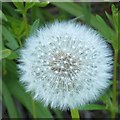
21	19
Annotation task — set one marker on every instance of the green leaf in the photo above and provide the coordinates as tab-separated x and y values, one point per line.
92	107
8	9
106	98
11	42
13	55
104	29
42	4
12	111
115	15
71	8
19	5
40	14
5	53
15	87
11	19
34	26
2	16
29	5
109	18
86	11
18	27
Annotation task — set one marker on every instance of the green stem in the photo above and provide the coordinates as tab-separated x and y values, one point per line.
33	108
20	43
26	23
75	114
114	97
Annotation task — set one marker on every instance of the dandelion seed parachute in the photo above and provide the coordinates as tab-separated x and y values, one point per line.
65	65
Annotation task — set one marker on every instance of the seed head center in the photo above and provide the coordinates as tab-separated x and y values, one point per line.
64	63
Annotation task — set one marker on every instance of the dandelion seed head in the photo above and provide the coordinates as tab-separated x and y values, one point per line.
67	64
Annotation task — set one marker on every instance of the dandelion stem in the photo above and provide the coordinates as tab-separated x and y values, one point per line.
75	114
114	97
33	108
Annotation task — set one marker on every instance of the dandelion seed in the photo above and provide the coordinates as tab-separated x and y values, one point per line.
71	66
54	59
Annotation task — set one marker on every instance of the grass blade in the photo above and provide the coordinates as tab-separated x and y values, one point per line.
92	107
104	29
12	111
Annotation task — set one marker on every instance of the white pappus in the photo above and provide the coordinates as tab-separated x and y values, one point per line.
65	65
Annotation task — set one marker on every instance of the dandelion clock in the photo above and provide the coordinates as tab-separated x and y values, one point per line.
65	65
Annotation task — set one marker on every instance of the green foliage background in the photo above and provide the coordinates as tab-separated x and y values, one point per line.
19	20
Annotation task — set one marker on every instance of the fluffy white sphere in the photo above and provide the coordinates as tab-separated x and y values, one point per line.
66	65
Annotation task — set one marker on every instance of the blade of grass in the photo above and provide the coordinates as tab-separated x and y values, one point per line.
109	18
12	110
2	16
104	29
86	11
92	107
